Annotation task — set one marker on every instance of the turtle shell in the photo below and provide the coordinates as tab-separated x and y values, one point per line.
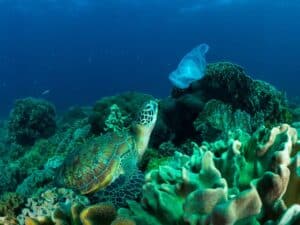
98	162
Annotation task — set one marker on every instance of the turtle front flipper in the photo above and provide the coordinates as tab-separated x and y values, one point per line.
124	188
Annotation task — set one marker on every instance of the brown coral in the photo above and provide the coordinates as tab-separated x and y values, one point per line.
292	194
123	221
77	214
100	213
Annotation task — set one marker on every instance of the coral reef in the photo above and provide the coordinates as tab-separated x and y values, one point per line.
74	114
109	161
218	119
10	202
31	119
77	214
9	175
7	220
115	121
63	206
226	183
227	83
230	83
38	178
43	206
128	104
219	154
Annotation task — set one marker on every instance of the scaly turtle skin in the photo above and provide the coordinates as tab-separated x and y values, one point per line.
100	161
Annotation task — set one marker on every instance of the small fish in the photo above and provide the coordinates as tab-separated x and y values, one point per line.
46	92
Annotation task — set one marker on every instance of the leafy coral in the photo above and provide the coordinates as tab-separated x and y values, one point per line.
228	183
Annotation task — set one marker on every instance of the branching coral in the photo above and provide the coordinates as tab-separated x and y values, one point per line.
115	122
41	207
10	202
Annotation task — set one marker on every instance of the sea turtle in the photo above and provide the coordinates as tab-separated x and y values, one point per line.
101	161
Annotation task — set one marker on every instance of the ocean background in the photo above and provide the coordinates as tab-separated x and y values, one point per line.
81	50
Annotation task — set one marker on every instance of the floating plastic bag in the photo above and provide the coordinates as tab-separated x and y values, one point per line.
191	67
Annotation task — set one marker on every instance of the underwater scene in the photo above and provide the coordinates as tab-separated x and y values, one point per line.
151	112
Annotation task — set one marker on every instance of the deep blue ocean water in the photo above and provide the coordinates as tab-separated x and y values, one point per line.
82	50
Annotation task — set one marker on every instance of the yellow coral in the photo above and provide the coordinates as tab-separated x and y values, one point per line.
292	194
38	221
100	213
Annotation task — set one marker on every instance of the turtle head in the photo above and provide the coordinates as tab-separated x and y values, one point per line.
144	125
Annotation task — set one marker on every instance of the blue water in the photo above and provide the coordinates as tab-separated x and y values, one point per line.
81	50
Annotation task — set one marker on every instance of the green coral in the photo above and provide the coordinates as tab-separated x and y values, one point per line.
230	83
225	182
218	120
251	101
128	103
31	119
10	202
37	155
44	205
63	206
116	121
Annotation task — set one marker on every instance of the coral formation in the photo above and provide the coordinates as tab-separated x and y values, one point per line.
219	154
115	122
7	220
9	175
229	84
31	119
128	104
218	119
227	183
9	203
42	207
77	214
110	158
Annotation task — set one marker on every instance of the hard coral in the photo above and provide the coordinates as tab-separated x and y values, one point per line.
7	220
10	202
77	214
218	119
229	84
31	119
41	208
104	213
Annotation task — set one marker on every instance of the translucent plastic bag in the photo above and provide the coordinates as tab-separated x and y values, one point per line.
191	67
